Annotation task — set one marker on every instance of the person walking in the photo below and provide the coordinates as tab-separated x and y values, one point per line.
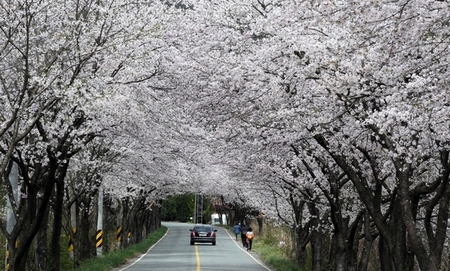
243	237
237	230
249	235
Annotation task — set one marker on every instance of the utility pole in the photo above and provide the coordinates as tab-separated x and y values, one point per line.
198	208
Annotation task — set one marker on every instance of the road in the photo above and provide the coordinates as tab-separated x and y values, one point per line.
174	253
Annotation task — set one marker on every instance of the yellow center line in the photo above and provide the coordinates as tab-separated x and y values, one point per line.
197	257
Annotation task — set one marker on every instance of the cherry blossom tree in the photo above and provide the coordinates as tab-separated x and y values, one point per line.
62	60
364	83
331	116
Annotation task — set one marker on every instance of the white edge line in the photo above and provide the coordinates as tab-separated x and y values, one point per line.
256	260
143	255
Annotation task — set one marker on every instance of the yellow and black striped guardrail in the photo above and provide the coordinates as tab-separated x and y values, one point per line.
99	239
119	234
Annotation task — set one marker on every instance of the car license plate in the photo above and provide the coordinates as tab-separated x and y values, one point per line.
202	234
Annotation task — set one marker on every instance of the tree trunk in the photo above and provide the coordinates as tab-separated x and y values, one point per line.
85	244
316	239
301	255
437	237
31	216
422	255
55	247
340	260
367	245
386	263
40	247
316	250
260	220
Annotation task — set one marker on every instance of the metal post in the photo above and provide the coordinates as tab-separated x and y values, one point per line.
119	232
99	235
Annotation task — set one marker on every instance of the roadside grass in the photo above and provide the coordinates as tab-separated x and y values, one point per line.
274	257
269	251
117	258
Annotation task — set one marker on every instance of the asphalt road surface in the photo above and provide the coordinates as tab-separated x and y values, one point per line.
174	253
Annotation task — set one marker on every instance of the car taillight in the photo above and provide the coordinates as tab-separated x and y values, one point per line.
193	233
212	234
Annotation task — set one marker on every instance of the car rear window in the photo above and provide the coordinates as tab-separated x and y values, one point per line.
203	229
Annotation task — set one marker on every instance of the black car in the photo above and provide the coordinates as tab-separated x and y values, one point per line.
203	234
